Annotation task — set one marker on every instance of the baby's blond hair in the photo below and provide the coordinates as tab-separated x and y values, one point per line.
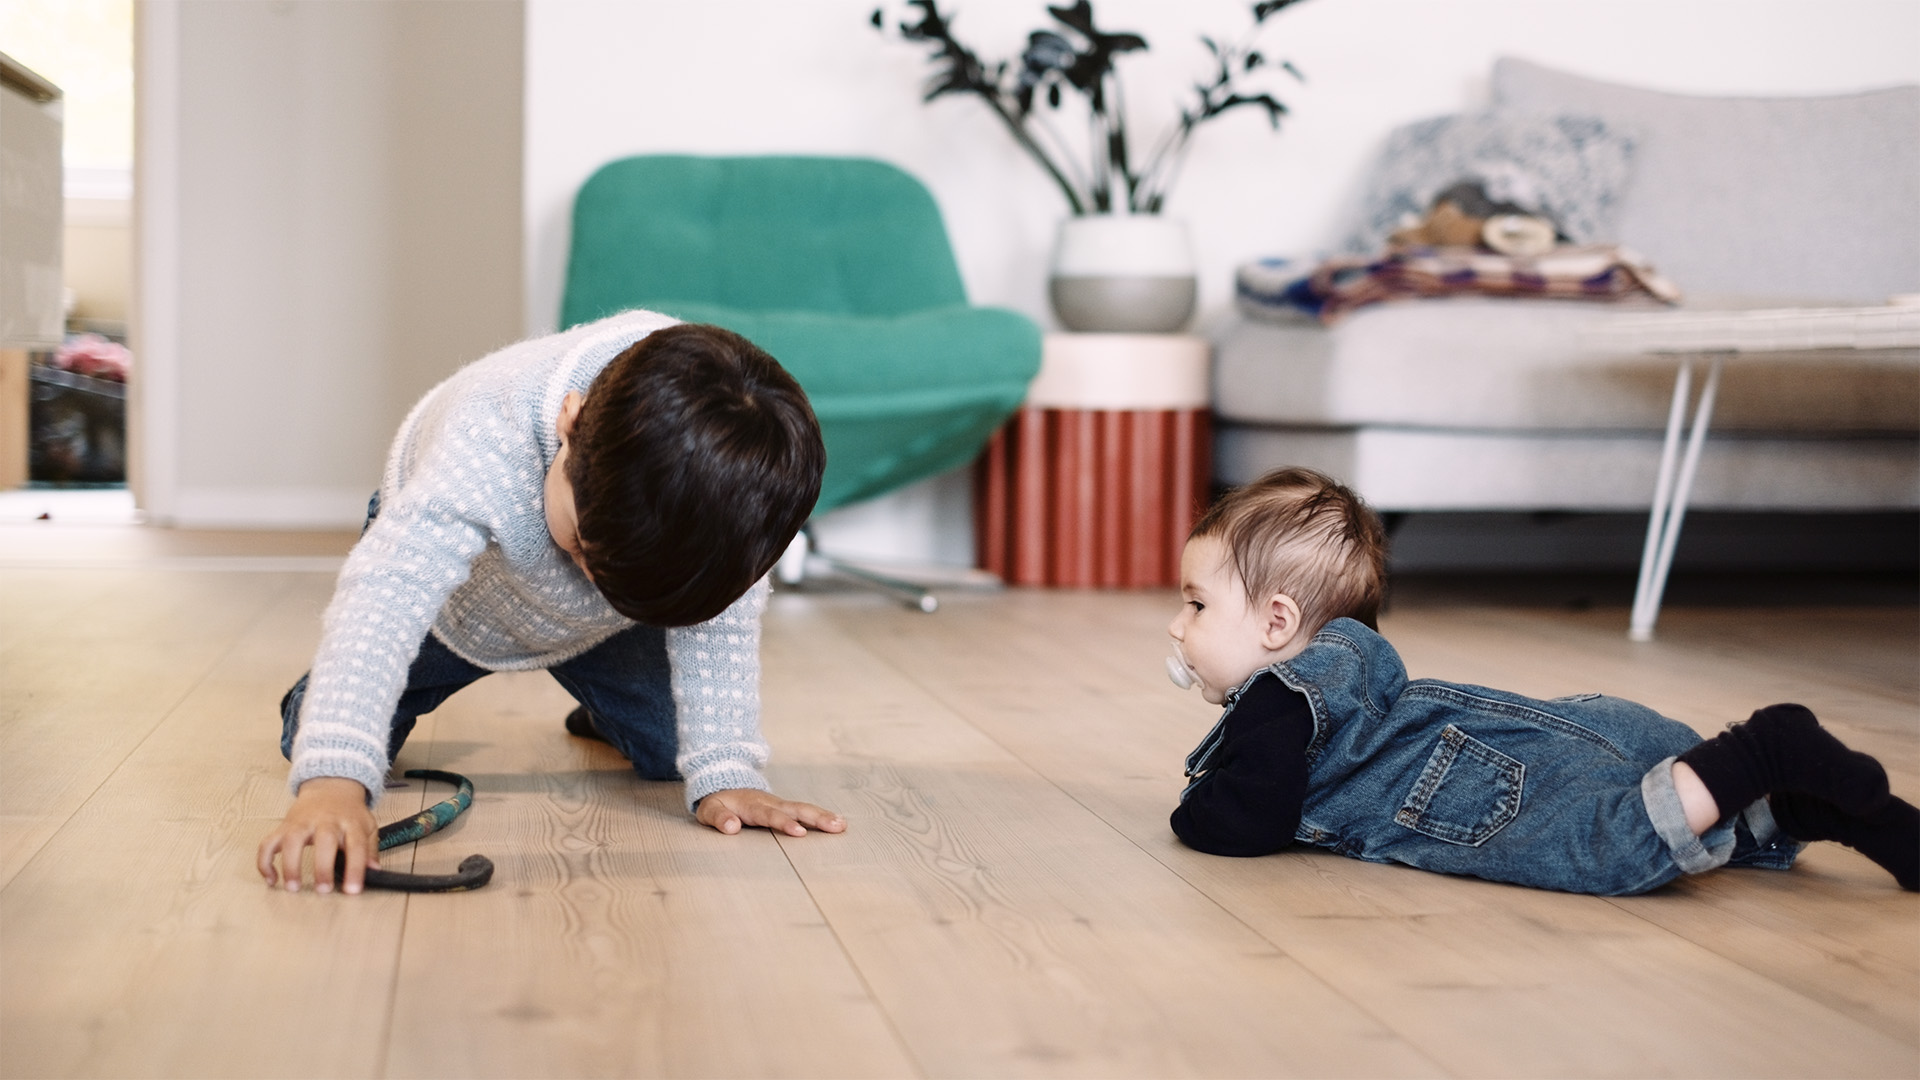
1299	532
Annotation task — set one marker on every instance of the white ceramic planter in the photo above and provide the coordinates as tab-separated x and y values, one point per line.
1119	273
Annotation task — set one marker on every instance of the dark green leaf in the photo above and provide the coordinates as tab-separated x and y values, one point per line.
1275	110
1265	8
1079	16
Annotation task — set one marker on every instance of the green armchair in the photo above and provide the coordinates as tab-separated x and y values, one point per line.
840	268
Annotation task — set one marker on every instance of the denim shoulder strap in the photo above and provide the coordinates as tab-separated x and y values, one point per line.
1347	670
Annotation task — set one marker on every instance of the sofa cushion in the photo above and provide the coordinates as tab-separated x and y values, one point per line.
1422	469
1570	168
1803	198
1474	363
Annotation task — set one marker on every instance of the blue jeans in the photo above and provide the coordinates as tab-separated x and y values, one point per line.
626	682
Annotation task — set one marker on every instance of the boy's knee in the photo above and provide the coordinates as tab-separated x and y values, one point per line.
656	771
290	701
290	715
650	750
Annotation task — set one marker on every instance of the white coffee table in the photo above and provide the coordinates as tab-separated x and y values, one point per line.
1715	337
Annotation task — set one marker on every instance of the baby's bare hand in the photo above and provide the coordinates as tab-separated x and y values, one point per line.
730	810
331	815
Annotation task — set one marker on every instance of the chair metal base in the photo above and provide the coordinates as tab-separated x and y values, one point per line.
914	589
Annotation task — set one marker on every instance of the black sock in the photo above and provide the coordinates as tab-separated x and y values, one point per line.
1783	748
1889	836
580	724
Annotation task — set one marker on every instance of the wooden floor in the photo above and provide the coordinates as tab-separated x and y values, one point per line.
1007	900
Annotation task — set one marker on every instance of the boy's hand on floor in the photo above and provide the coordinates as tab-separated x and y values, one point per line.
730	810
331	814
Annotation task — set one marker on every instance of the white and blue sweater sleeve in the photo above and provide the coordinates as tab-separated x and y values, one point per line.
393	585
716	698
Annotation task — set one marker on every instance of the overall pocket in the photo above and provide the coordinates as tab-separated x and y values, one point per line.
1467	792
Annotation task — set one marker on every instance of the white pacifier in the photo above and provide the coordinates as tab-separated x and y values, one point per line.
1180	671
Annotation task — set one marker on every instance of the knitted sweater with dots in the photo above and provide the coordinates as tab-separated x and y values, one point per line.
461	549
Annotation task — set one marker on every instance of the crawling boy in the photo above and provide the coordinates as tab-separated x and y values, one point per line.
1325	741
603	503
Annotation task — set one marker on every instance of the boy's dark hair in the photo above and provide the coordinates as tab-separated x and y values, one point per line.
1299	532
694	460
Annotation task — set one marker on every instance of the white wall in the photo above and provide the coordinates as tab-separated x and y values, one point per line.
98	264
338	203
608	78
329	222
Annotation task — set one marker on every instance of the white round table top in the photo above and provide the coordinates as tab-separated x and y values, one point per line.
1122	372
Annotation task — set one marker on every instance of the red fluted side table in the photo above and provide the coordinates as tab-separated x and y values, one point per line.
1095	482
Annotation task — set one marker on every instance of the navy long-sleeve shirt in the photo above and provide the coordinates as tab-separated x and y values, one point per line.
1247	798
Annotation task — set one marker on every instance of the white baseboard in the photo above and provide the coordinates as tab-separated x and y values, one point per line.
266	508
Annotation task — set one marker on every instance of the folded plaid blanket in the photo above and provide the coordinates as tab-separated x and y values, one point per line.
1339	285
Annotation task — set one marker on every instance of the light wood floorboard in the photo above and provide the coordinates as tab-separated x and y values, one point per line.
1005	926
86	682
618	939
1007	901
139	940
1419	949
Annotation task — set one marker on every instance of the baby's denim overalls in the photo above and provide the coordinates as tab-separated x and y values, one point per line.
1573	794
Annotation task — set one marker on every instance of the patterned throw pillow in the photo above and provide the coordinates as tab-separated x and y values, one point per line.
1568	168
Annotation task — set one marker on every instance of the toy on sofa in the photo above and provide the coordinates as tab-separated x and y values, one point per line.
1464	215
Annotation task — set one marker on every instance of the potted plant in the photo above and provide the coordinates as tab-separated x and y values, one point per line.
1118	264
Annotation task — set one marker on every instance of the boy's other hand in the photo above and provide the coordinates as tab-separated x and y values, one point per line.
331	814
735	808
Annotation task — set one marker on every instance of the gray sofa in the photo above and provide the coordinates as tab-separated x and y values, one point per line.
1495	404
